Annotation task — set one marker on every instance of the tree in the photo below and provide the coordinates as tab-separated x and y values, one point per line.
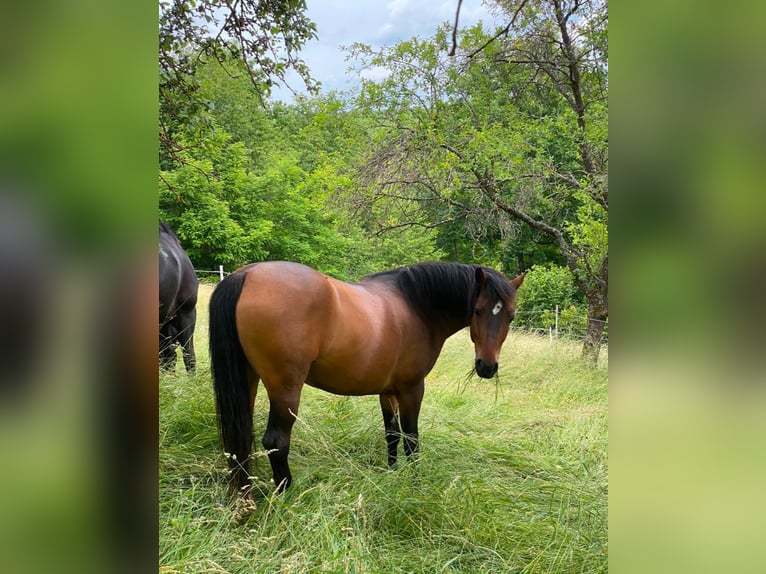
565	42
209	201
269	183
508	133
263	38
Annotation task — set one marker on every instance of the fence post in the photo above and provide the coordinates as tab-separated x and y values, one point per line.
220	272
557	321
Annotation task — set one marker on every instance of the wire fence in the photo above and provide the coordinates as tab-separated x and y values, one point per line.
220	273
567	322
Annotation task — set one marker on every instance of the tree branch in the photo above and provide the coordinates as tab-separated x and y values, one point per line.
454	29
502	32
489	189
415	224
170	186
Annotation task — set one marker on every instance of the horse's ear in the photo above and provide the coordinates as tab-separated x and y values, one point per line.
480	277
518	281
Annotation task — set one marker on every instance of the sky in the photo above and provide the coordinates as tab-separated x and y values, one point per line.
375	22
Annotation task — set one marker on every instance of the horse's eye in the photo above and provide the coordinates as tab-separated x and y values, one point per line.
477	312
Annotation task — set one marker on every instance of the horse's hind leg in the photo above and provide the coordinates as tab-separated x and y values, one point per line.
167	348
283	410
389	405
187	320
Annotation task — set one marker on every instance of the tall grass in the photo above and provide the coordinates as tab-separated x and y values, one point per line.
512	475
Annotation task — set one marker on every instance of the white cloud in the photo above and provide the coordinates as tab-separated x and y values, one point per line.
385	30
397	6
341	23
376	73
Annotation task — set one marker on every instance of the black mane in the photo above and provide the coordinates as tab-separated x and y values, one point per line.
443	290
165	228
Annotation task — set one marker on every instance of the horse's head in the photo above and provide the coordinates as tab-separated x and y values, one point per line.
492	315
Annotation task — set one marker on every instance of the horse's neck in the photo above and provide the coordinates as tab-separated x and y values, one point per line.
444	309
450	319
446	328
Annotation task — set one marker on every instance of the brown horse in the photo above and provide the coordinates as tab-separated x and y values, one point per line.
286	324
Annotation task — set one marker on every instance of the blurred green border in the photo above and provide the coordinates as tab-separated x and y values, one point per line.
78	150
687	398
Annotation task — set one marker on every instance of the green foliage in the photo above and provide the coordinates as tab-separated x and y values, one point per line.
238	109
418	167
303	230
589	232
545	287
206	201
456	127
260	40
274	184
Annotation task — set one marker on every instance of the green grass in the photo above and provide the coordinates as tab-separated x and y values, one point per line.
512	475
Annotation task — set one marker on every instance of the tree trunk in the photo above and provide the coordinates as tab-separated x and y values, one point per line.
598	312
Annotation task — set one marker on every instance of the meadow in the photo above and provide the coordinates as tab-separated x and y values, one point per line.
512	476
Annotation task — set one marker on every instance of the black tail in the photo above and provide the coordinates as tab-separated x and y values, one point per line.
230	379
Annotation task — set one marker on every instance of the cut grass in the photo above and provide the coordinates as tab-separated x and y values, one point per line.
512	475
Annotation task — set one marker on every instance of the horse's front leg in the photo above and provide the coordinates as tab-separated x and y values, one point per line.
283	411
409	411
389	406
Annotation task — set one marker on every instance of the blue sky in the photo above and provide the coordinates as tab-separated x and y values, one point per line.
375	22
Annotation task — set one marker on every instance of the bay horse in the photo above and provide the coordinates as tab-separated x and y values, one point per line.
286	324
178	301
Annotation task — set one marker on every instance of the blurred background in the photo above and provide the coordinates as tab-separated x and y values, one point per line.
78	163
687	393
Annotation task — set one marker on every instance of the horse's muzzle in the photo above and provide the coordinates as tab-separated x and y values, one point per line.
485	370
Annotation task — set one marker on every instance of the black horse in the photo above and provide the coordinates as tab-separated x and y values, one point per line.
178	301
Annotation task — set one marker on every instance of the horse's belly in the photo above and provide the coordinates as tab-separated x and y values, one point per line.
350	379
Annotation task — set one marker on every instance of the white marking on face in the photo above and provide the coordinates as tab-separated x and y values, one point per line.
497	307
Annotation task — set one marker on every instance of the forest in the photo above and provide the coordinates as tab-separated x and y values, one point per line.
479	146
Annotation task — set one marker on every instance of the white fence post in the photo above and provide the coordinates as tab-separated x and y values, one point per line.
550	335
220	272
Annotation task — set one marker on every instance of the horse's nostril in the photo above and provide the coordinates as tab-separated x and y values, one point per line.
485	370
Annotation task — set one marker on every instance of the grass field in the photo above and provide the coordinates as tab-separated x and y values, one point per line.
512	476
